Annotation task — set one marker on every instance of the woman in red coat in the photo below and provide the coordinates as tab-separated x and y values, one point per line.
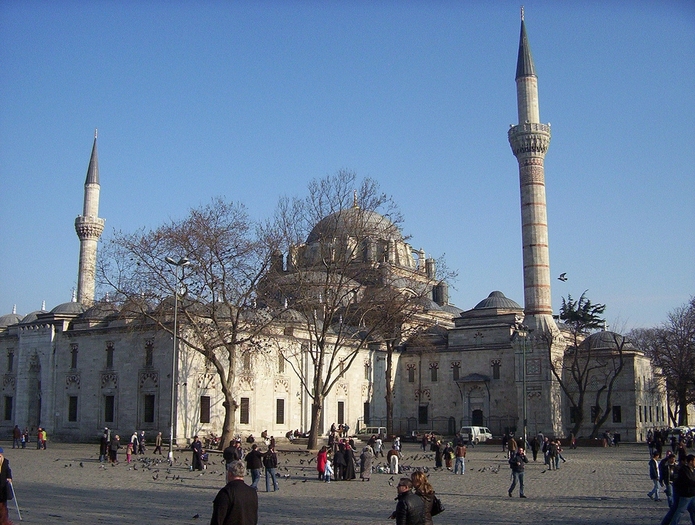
321	461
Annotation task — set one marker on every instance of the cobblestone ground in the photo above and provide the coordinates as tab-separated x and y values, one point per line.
67	484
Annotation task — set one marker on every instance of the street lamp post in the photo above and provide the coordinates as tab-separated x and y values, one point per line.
523	331
183	261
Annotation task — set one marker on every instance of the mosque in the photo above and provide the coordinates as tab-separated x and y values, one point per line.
84	365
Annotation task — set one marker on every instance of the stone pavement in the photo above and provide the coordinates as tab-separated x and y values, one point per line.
67	484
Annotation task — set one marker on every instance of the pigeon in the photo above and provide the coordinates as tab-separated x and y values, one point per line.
81	464
563	277
196	517
155	477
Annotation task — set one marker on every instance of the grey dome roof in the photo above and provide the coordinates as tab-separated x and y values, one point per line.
101	311
71	308
354	222
607	340
31	317
498	300
9	319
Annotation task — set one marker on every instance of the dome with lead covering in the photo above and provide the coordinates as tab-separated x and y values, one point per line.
354	222
498	300
9	319
71	308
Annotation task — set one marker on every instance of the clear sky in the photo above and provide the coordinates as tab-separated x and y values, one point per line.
251	100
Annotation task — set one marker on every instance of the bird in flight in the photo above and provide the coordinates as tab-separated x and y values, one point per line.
563	277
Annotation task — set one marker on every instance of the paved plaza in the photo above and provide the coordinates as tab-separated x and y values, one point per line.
67	484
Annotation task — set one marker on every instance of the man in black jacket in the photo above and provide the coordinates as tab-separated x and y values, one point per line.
410	509
270	463
516	463
254	462
684	492
236	503
666	467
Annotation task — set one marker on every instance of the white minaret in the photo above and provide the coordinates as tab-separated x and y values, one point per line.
529	141
89	227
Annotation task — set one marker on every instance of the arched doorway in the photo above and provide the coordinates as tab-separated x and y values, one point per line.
452	426
477	418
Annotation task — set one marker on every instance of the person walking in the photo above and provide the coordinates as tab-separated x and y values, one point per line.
158	444
516	463
134	440
654	476
16	437
683	493
5	486
141	442
410	509
460	453
254	462
270	463
197	459
104	446
328	471
44	438
422	488
321	459
366	460
113	449
392	459
236	503
666	468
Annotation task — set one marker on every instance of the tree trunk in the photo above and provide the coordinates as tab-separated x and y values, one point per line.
316	408
389	392
682	408
230	407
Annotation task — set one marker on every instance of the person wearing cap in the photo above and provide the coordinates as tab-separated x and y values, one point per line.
5	486
683	493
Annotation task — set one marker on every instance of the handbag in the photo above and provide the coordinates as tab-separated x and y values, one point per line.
437	507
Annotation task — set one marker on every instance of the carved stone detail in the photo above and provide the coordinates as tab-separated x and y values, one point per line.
72	379
149	376
109	379
282	385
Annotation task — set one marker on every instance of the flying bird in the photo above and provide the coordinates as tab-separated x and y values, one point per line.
563	277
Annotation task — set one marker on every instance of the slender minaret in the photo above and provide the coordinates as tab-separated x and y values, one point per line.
89	227
529	141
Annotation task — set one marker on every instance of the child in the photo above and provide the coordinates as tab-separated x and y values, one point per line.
128	452
328	471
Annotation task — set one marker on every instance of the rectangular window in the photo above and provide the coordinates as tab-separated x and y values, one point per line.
109	409
411	375
281	363
422	415
594	413
457	372
366	412
279	411
433	373
341	412
650	413
10	360
366	371
109	355
645	414
247	361
496	370
244	411
149	355
574	414
639	410
72	408
149	408
8	408
617	415
73	356
204	409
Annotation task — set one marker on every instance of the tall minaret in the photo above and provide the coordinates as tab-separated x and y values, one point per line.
89	227
529	141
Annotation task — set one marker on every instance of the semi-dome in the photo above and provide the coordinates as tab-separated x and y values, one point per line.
355	222
9	319
497	300
71	308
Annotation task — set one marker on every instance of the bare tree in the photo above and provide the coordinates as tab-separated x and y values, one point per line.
217	312
671	348
609	353
337	239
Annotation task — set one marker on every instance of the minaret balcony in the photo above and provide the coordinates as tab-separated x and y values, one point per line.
531	137
89	227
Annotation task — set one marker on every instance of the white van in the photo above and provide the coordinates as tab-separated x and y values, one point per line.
372	431
475	434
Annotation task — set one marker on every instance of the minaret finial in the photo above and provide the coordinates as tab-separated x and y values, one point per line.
522	13
95	129
354	199
14	309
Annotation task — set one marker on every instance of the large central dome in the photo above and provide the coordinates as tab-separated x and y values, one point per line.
354	222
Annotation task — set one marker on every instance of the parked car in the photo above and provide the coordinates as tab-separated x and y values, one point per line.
372	431
475	435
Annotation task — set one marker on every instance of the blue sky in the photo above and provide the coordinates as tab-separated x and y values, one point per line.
251	100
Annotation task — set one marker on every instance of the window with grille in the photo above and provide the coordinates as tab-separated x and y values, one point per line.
72	408
204	409
279	411
244	411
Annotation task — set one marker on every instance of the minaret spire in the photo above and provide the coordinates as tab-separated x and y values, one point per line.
89	227
529	141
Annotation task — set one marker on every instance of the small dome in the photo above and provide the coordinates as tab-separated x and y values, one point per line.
101	311
31	317
499	301
9	319
607	340
355	222
71	308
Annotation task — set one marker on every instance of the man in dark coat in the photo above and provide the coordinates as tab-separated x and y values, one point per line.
231	453
197	448
236	503
516	463
254	462
683	492
410	509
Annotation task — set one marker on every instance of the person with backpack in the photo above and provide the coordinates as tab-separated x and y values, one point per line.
516	463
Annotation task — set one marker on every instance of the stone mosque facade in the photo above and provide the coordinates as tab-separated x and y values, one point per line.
83	366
